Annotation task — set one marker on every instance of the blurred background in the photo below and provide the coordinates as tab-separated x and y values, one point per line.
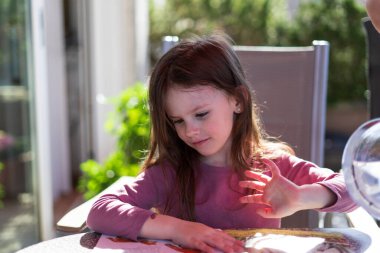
72	76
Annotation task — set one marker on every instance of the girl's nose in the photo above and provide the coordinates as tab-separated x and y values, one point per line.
191	130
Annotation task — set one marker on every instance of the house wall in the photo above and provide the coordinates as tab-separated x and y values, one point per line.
119	52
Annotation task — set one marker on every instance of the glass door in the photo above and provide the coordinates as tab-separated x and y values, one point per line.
18	206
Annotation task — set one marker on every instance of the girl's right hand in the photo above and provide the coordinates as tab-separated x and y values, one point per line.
199	236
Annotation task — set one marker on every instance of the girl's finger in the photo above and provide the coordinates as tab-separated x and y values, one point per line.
204	247
254	198
223	241
256	185
257	175
266	212
272	166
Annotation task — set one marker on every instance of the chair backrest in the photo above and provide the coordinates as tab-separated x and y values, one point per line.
290	86
373	67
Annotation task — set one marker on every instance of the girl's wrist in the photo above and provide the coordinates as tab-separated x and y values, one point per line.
160	226
316	196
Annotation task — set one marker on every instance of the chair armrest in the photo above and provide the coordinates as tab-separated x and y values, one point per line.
75	220
361	219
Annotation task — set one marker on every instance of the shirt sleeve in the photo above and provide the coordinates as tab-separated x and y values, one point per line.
302	172
123	213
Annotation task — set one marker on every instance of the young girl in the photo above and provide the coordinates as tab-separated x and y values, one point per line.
210	165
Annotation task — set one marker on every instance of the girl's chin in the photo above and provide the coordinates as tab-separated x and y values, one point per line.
203	154
206	155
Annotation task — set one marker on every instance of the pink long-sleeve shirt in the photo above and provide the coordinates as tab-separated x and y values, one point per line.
216	200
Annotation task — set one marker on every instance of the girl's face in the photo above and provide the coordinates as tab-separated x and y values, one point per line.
203	118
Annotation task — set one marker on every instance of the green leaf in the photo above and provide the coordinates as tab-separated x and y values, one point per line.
130	124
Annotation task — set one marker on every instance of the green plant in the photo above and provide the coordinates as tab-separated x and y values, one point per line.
265	22
130	124
247	22
338	22
8	144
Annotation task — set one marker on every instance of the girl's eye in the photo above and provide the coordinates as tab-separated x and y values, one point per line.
178	121
201	115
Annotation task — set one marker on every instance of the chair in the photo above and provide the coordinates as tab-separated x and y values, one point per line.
290	86
373	68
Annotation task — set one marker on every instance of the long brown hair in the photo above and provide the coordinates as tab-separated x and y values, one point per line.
200	61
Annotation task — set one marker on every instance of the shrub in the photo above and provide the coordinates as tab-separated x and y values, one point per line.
130	124
247	22
264	22
338	22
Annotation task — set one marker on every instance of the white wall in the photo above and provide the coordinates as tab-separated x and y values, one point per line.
119	46
50	123
117	37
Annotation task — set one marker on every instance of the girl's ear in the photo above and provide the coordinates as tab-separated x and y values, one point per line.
239	98
238	106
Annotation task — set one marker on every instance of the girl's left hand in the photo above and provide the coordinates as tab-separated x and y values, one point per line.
280	195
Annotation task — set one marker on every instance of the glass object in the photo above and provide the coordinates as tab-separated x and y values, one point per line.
361	166
18	209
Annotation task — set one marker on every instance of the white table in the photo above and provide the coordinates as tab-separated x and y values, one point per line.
85	242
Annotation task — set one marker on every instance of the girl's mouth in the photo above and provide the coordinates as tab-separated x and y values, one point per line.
199	143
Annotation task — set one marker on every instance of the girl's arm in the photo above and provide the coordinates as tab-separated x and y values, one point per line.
123	213
128	214
113	214
282	197
189	234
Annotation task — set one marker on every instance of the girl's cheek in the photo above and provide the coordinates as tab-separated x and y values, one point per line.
181	134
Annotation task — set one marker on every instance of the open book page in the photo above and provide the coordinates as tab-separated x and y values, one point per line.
300	241
256	240
121	245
